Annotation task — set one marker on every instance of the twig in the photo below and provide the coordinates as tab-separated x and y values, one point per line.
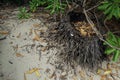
106	25
92	7
68	3
116	32
84	3
95	29
96	18
92	24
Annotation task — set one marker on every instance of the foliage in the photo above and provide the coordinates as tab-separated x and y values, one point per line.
114	41
54	6
23	14
111	8
35	3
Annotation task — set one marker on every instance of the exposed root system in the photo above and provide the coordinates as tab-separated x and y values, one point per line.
80	43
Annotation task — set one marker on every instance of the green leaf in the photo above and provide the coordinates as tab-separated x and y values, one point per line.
48	7
107	11
111	42
109	51
112	37
118	40
118	11
114	41
116	55
104	6
52	11
109	16
117	1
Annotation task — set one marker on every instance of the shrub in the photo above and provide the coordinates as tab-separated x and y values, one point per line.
54	6
23	13
114	41
111	8
35	3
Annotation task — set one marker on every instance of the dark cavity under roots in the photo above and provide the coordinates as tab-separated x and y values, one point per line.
83	50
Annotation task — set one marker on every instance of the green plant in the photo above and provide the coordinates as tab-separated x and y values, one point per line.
23	14
114	41
55	6
35	3
110	8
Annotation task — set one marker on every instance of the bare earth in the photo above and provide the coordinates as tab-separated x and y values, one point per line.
23	53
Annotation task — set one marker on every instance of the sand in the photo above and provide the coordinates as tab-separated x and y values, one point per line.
23	54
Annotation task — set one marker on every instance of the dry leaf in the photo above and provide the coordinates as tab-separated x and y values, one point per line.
37	73
44	49
54	31
36	70
18	36
109	79
3	32
82	74
84	28
91	78
40	30
53	75
37	38
32	70
19	55
36	25
75	78
63	75
83	32
99	71
103	77
107	72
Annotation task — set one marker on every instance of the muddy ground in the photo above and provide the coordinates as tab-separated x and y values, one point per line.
24	54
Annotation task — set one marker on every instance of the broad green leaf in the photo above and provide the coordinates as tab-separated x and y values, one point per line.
115	11
112	37
109	51
107	11
117	1
118	39
111	42
104	6
109	16
48	7
116	55
118	11
52	11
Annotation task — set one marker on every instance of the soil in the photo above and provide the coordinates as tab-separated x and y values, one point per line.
24	53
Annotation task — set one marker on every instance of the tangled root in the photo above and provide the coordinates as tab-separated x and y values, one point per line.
88	51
